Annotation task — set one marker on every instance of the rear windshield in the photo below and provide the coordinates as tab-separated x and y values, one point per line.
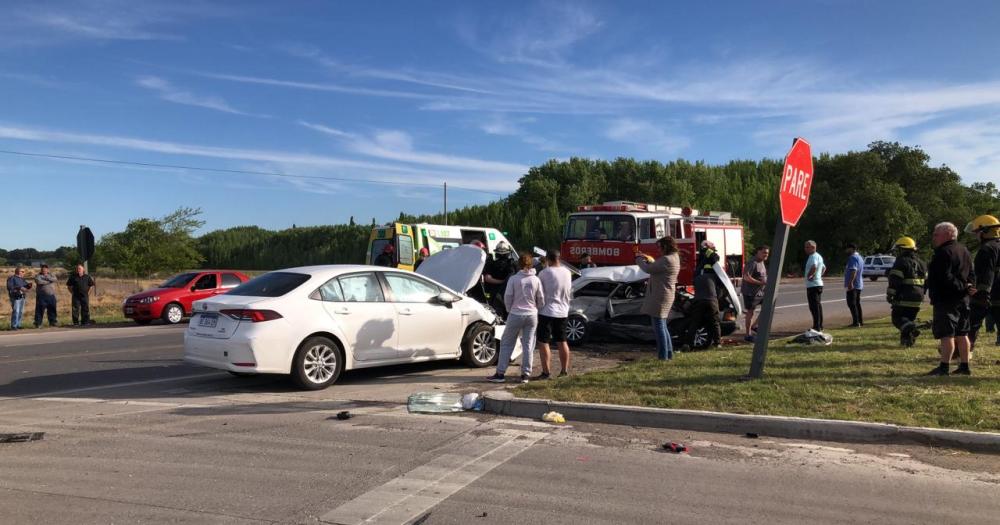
274	284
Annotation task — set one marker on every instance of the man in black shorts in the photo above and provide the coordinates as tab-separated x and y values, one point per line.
949	282
752	288
557	286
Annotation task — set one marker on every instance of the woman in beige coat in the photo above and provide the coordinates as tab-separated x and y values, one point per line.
660	292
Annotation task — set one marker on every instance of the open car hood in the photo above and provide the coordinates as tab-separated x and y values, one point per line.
615	274
458	268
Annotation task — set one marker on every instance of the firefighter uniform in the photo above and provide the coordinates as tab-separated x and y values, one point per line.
906	290
707	257
987	268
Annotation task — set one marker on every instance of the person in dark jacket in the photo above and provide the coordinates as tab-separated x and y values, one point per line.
906	290
79	284
17	290
707	257
704	312
986	294
387	257
949	284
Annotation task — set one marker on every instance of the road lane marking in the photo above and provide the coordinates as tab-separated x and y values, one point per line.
412	494
826	302
114	385
85	354
73	340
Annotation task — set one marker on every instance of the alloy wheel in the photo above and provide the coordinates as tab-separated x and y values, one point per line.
484	347
320	363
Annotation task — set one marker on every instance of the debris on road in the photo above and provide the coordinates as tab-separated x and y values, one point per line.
752	435
676	448
553	417
472	401
434	403
344	415
21	437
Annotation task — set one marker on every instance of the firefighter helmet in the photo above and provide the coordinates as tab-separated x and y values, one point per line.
905	243
988	225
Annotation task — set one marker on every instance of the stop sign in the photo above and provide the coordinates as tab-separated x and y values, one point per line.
796	181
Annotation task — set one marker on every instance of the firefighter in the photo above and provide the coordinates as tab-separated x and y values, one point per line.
906	290
707	257
986	295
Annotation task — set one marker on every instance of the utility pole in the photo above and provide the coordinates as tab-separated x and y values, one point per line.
445	203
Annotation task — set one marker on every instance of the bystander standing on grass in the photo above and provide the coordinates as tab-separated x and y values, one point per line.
45	296
660	292
752	288
949	282
17	290
814	270
853	284
557	288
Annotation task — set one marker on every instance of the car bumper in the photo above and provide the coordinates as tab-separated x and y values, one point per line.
236	354
141	311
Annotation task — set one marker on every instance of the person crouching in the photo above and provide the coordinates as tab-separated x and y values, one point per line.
523	298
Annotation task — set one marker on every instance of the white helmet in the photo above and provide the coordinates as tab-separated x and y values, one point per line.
502	248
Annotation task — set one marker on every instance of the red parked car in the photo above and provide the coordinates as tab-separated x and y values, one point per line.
171	301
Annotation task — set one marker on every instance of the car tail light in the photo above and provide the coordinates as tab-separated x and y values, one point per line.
254	316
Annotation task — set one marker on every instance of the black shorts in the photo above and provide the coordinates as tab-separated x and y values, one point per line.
551	329
951	320
751	302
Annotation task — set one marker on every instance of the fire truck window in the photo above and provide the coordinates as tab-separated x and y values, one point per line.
677	229
647	229
602	227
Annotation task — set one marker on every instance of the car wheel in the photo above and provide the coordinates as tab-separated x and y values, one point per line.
173	313
479	349
317	363
873	278
576	330
142	322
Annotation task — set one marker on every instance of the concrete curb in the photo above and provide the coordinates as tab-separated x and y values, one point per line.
505	404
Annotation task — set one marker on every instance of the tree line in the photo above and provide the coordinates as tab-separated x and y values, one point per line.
868	197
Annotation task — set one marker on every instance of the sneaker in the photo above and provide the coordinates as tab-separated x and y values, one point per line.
496	378
544	376
563	373
525	378
749	339
941	370
962	370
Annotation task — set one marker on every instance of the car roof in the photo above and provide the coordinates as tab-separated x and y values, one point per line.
333	270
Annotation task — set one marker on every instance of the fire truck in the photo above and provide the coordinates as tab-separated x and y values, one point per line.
613	232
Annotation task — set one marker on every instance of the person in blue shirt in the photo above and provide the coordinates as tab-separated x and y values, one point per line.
814	270
854	284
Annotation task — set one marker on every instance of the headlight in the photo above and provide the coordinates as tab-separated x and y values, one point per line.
149	300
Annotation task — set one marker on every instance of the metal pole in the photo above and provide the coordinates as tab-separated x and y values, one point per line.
446	204
770	299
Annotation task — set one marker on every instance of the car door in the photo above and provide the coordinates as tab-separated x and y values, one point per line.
203	286
356	303
426	329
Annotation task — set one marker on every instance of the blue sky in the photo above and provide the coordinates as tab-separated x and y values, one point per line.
472	93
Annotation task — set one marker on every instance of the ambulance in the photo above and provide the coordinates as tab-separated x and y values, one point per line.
613	232
408	239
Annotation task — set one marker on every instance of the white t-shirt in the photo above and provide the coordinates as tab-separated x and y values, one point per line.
815	261
557	288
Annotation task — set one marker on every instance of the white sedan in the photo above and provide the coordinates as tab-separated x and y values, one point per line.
315	322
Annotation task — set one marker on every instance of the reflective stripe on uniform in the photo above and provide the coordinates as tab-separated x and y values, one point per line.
909	304
914	282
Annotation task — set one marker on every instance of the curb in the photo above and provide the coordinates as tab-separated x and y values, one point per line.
505	404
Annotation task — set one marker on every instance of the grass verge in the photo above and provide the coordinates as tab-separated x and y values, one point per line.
864	375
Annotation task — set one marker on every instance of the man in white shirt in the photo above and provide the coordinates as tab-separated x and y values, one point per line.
557	288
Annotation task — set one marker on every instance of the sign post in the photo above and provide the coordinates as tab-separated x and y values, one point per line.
796	182
85	245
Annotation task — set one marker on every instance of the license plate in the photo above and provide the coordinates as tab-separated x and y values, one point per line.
208	321
129	310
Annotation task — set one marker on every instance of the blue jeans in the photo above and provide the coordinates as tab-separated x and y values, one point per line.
664	346
17	312
523	326
45	304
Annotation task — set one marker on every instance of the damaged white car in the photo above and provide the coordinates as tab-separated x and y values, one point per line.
315	322
607	303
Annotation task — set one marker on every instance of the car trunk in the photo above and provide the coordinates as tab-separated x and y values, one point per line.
208	321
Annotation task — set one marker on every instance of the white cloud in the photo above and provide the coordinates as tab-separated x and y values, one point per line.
326	130
314	86
405	165
171	93
503	125
645	136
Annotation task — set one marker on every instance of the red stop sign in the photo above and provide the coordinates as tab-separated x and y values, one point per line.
796	181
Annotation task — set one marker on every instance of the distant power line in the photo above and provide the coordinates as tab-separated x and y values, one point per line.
248	172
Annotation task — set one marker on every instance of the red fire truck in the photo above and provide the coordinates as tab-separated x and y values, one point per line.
613	232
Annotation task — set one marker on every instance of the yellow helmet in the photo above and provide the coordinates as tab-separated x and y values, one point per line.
905	243
988	225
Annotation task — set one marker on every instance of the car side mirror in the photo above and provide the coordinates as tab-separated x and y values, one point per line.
445	299
194	288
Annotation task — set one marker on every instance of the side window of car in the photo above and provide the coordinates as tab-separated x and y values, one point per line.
230	280
329	292
206	282
361	288
406	289
597	289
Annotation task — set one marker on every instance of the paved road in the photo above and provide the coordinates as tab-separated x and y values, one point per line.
135	435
